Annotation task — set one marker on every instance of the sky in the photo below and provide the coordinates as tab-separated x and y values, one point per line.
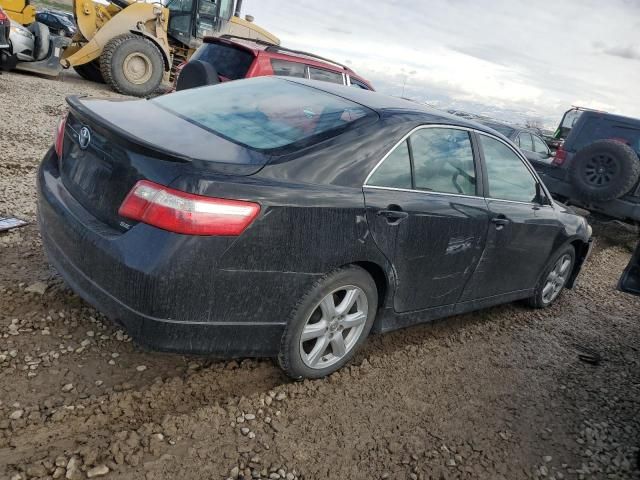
513	60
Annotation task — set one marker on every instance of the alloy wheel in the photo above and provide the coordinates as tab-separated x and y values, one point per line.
600	170
556	279
334	327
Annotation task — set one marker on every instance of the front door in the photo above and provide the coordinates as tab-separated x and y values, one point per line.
523	225
426	215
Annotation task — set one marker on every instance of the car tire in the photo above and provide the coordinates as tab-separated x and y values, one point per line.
339	299
90	71
553	278
604	170
197	73
132	65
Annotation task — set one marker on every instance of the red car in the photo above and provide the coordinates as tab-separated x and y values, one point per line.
220	59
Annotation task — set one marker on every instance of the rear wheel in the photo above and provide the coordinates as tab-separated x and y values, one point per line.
554	278
90	71
132	65
604	170
329	324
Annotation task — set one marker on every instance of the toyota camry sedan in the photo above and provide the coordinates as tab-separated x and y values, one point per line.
291	218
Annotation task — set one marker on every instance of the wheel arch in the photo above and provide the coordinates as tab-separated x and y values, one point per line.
581	250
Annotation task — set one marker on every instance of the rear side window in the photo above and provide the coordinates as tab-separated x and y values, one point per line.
395	170
358	84
230	62
524	140
508	177
325	75
288	69
443	161
432	159
266	113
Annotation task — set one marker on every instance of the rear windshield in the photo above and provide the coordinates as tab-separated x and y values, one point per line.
230	62
266	113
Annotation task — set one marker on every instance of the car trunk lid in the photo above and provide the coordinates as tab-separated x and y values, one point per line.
109	146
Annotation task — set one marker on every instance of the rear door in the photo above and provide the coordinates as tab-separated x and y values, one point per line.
427	215
523	225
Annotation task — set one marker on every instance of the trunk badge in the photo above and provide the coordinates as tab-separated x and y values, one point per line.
84	138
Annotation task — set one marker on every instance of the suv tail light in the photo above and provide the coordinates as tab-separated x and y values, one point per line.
3	17
186	213
59	141
561	156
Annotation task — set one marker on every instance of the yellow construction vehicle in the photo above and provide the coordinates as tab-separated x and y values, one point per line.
132	45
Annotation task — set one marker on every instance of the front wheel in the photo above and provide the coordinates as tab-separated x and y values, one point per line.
132	64
329	324
554	278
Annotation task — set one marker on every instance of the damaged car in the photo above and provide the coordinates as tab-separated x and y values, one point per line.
290	218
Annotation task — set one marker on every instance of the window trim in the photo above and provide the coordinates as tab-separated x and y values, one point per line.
479	162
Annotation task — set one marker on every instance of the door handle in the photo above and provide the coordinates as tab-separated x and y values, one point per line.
394	217
500	221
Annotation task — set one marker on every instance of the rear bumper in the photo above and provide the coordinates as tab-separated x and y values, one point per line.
164	287
622	208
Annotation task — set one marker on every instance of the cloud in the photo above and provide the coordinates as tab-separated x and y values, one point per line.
629	52
517	56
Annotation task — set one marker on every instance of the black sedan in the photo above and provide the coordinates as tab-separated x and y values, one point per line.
59	23
289	218
528	140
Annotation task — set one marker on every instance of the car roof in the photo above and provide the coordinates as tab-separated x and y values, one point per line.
609	116
388	105
261	47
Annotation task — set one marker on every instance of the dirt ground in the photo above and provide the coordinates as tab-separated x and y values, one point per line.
498	394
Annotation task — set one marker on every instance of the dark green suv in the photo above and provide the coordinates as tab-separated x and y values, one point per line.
598	165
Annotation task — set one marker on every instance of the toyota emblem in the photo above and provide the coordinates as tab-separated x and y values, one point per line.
84	138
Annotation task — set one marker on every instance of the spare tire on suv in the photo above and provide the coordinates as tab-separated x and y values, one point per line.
604	170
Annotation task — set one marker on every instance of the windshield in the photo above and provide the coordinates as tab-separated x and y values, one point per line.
265	113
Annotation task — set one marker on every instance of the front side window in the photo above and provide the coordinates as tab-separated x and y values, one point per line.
509	178
443	161
266	113
395	171
288	69
539	146
325	75
524	140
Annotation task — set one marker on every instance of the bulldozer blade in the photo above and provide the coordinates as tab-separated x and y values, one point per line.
50	66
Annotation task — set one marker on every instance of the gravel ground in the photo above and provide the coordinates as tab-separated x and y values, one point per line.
498	394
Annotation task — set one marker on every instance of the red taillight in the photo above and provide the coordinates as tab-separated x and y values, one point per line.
187	213
3	17
561	156
60	135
